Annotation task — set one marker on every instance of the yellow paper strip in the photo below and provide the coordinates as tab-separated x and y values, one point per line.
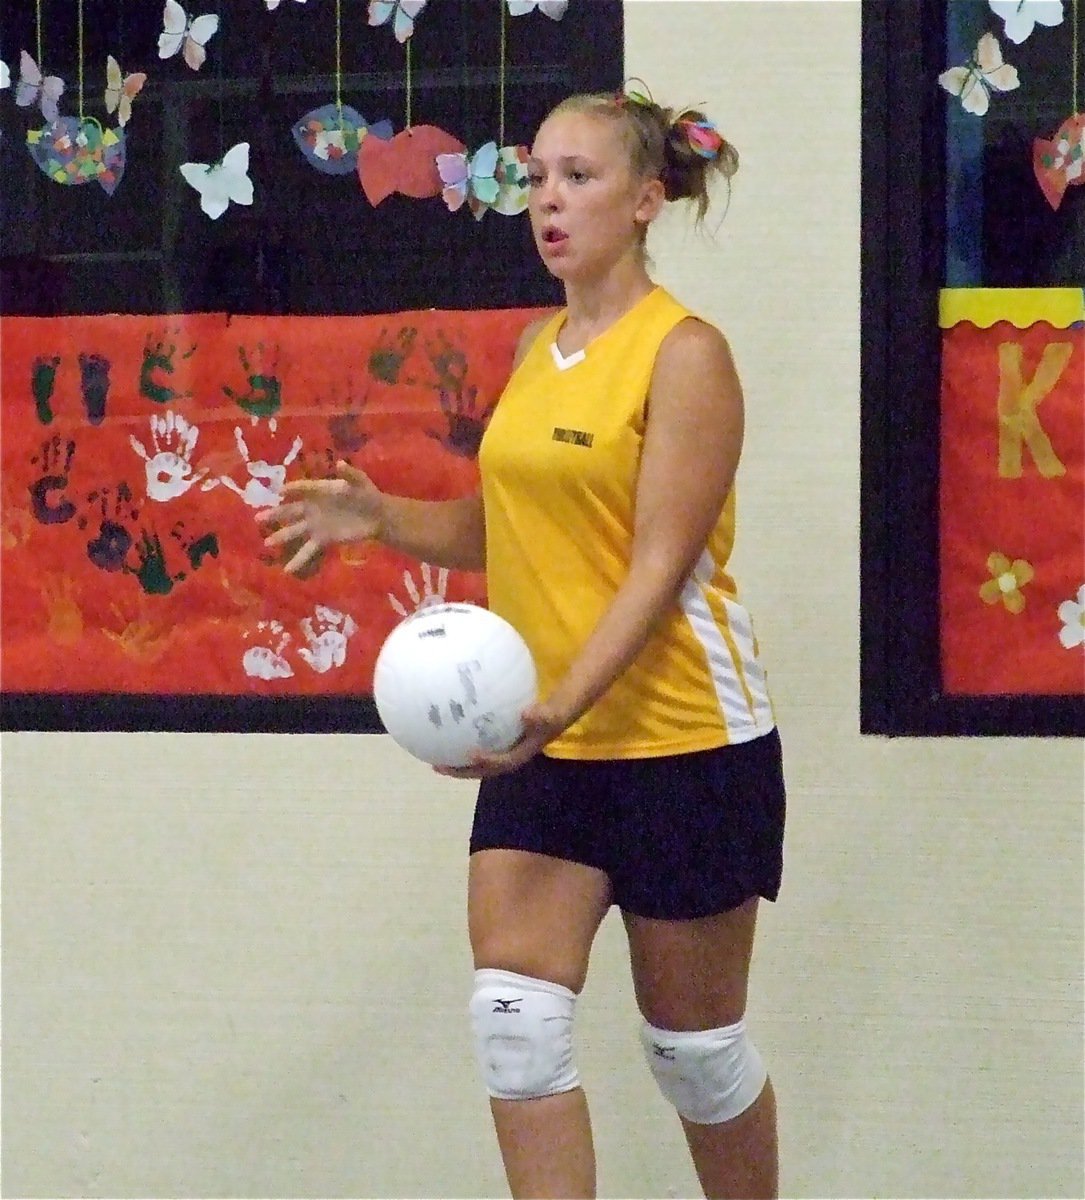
1022	307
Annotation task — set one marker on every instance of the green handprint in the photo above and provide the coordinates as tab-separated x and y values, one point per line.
159	356
264	397
387	358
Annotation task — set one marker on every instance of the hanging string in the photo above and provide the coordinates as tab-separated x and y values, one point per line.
501	83
38	23
339	61
80	10
408	122
1075	103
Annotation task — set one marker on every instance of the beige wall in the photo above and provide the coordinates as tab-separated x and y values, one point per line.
236	966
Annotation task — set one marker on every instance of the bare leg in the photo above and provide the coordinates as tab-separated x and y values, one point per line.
538	916
693	975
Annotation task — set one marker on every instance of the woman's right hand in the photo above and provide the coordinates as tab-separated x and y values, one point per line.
315	513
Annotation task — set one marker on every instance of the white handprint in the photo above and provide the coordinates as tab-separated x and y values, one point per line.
169	469
267	662
328	642
264	486
428	595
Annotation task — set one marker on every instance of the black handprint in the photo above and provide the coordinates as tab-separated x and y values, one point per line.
264	397
449	364
54	458
109	549
387	358
94	378
465	425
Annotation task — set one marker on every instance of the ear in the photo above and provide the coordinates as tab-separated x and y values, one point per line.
651	201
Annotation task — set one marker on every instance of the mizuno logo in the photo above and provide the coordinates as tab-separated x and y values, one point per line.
436	631
666	1052
576	437
505	1006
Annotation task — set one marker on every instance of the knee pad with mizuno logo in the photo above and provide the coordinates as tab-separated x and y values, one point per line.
523	1031
710	1075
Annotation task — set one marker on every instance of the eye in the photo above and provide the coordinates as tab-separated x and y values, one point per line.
578	176
534	179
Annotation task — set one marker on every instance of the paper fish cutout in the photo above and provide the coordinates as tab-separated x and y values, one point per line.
471	179
1022	16
121	90
405	13
1060	162
405	163
984	73
187	34
72	152
329	137
274	4
5	75
35	88
554	9
219	183
512	185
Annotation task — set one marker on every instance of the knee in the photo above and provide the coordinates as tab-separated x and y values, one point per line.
523	1031
710	1076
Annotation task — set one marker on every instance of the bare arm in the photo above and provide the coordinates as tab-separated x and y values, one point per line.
316	513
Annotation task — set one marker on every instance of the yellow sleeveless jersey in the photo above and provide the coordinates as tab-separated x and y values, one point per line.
558	467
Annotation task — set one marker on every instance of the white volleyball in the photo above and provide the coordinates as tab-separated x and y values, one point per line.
452	680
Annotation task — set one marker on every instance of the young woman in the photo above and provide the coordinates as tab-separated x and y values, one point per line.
649	773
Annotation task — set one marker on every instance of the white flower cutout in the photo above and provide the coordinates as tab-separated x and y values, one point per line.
1022	16
221	182
984	73
274	4
1072	616
5	74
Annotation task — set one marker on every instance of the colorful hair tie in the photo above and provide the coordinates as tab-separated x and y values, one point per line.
703	137
628	95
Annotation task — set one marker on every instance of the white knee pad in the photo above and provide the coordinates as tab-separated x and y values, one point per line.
709	1076
523	1031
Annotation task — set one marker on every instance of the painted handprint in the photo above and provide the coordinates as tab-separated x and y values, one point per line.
65	620
386	359
43	376
108	549
49	501
264	397
169	468
93	385
140	638
159	358
263	488
449	364
267	661
427	596
466	423
327	632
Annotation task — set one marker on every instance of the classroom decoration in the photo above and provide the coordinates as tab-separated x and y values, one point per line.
984	73
71	151
405	163
132	563
554	9
221	182
273	4
331	135
1012	490
185	34
1059	162
401	14
470	179
121	90
34	87
5	75
1020	17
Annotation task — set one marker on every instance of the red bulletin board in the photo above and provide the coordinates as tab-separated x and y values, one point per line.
136	449
1012	491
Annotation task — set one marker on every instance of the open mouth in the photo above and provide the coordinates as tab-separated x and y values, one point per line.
553	235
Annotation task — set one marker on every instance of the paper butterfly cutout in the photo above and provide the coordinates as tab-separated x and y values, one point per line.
274	4
34	88
72	152
5	75
187	34
329	137
121	90
1060	162
405	163
984	73
554	9
1022	16
405	11
471	179
219	183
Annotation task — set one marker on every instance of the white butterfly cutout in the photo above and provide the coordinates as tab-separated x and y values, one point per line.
187	34
34	88
5	75
219	183
1022	16
984	73
554	9
274	4
404	11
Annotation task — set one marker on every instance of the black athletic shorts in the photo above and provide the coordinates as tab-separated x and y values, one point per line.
683	836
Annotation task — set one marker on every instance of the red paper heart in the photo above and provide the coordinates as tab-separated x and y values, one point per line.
1060	162
405	163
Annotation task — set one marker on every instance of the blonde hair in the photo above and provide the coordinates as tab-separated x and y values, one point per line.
658	143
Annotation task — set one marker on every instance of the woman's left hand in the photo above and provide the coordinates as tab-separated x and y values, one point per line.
541	724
